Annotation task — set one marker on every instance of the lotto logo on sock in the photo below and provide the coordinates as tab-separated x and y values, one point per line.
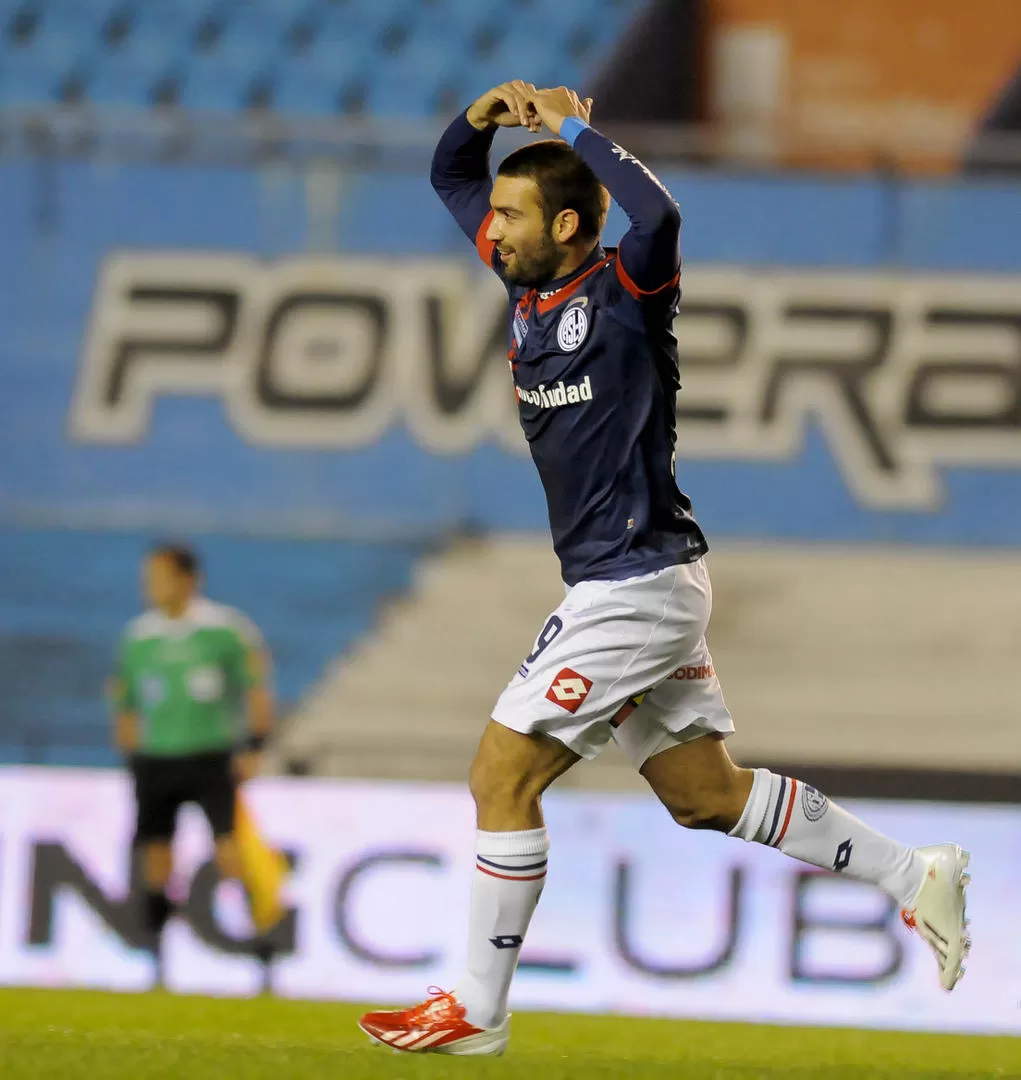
569	690
507	941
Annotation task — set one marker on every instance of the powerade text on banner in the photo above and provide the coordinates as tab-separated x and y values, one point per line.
892	397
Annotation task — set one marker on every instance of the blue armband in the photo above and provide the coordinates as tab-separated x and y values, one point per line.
571	128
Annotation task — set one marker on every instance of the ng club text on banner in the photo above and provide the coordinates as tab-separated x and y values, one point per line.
638	916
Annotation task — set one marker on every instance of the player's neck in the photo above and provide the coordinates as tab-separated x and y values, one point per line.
572	263
177	609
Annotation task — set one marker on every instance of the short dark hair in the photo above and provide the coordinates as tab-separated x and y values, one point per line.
564	181
184	557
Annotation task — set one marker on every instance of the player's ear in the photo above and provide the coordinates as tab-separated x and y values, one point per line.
565	226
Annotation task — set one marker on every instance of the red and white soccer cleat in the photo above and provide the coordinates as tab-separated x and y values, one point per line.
938	910
437	1026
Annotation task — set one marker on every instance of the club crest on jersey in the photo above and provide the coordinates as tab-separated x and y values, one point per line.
573	328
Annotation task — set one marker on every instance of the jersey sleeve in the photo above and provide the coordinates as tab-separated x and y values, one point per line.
246	656
648	256
460	176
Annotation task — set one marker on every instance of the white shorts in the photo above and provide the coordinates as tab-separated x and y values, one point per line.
626	659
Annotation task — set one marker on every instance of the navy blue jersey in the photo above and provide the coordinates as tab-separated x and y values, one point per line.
595	368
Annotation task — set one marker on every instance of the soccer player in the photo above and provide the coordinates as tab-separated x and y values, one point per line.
190	673
595	371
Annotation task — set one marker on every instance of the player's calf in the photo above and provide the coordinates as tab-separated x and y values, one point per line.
786	813
713	808
702	788
699	785
153	907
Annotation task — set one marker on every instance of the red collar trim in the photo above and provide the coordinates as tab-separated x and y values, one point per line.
565	291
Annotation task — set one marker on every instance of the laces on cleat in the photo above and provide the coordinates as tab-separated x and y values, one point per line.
439	1002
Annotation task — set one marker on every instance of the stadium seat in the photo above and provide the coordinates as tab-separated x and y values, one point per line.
49	37
363	27
516	55
321	78
23	81
34	71
311	91
210	83
267	21
457	27
410	57
346	57
65	12
174	27
410	85
123	80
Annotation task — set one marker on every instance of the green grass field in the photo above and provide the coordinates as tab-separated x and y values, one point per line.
73	1034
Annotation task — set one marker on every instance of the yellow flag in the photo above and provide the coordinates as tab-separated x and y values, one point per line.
263	869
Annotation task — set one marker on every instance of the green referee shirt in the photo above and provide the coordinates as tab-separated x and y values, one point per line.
186	678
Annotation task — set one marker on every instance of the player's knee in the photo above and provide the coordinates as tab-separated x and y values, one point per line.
495	786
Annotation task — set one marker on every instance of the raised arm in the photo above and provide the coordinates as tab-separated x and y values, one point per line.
648	257
460	167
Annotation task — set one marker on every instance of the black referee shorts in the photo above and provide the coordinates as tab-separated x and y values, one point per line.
164	784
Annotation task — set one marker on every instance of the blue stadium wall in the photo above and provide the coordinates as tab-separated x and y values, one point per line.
59	221
78	506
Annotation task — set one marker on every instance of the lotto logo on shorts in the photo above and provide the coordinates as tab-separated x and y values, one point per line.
569	690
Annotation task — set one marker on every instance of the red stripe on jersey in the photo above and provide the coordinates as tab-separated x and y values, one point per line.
483	246
571	287
632	288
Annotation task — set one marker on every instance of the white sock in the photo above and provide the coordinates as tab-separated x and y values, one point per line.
800	821
510	871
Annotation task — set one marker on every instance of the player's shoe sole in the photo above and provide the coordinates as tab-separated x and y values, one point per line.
939	910
492	1042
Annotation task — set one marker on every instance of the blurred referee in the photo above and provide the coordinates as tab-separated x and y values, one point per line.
193	707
